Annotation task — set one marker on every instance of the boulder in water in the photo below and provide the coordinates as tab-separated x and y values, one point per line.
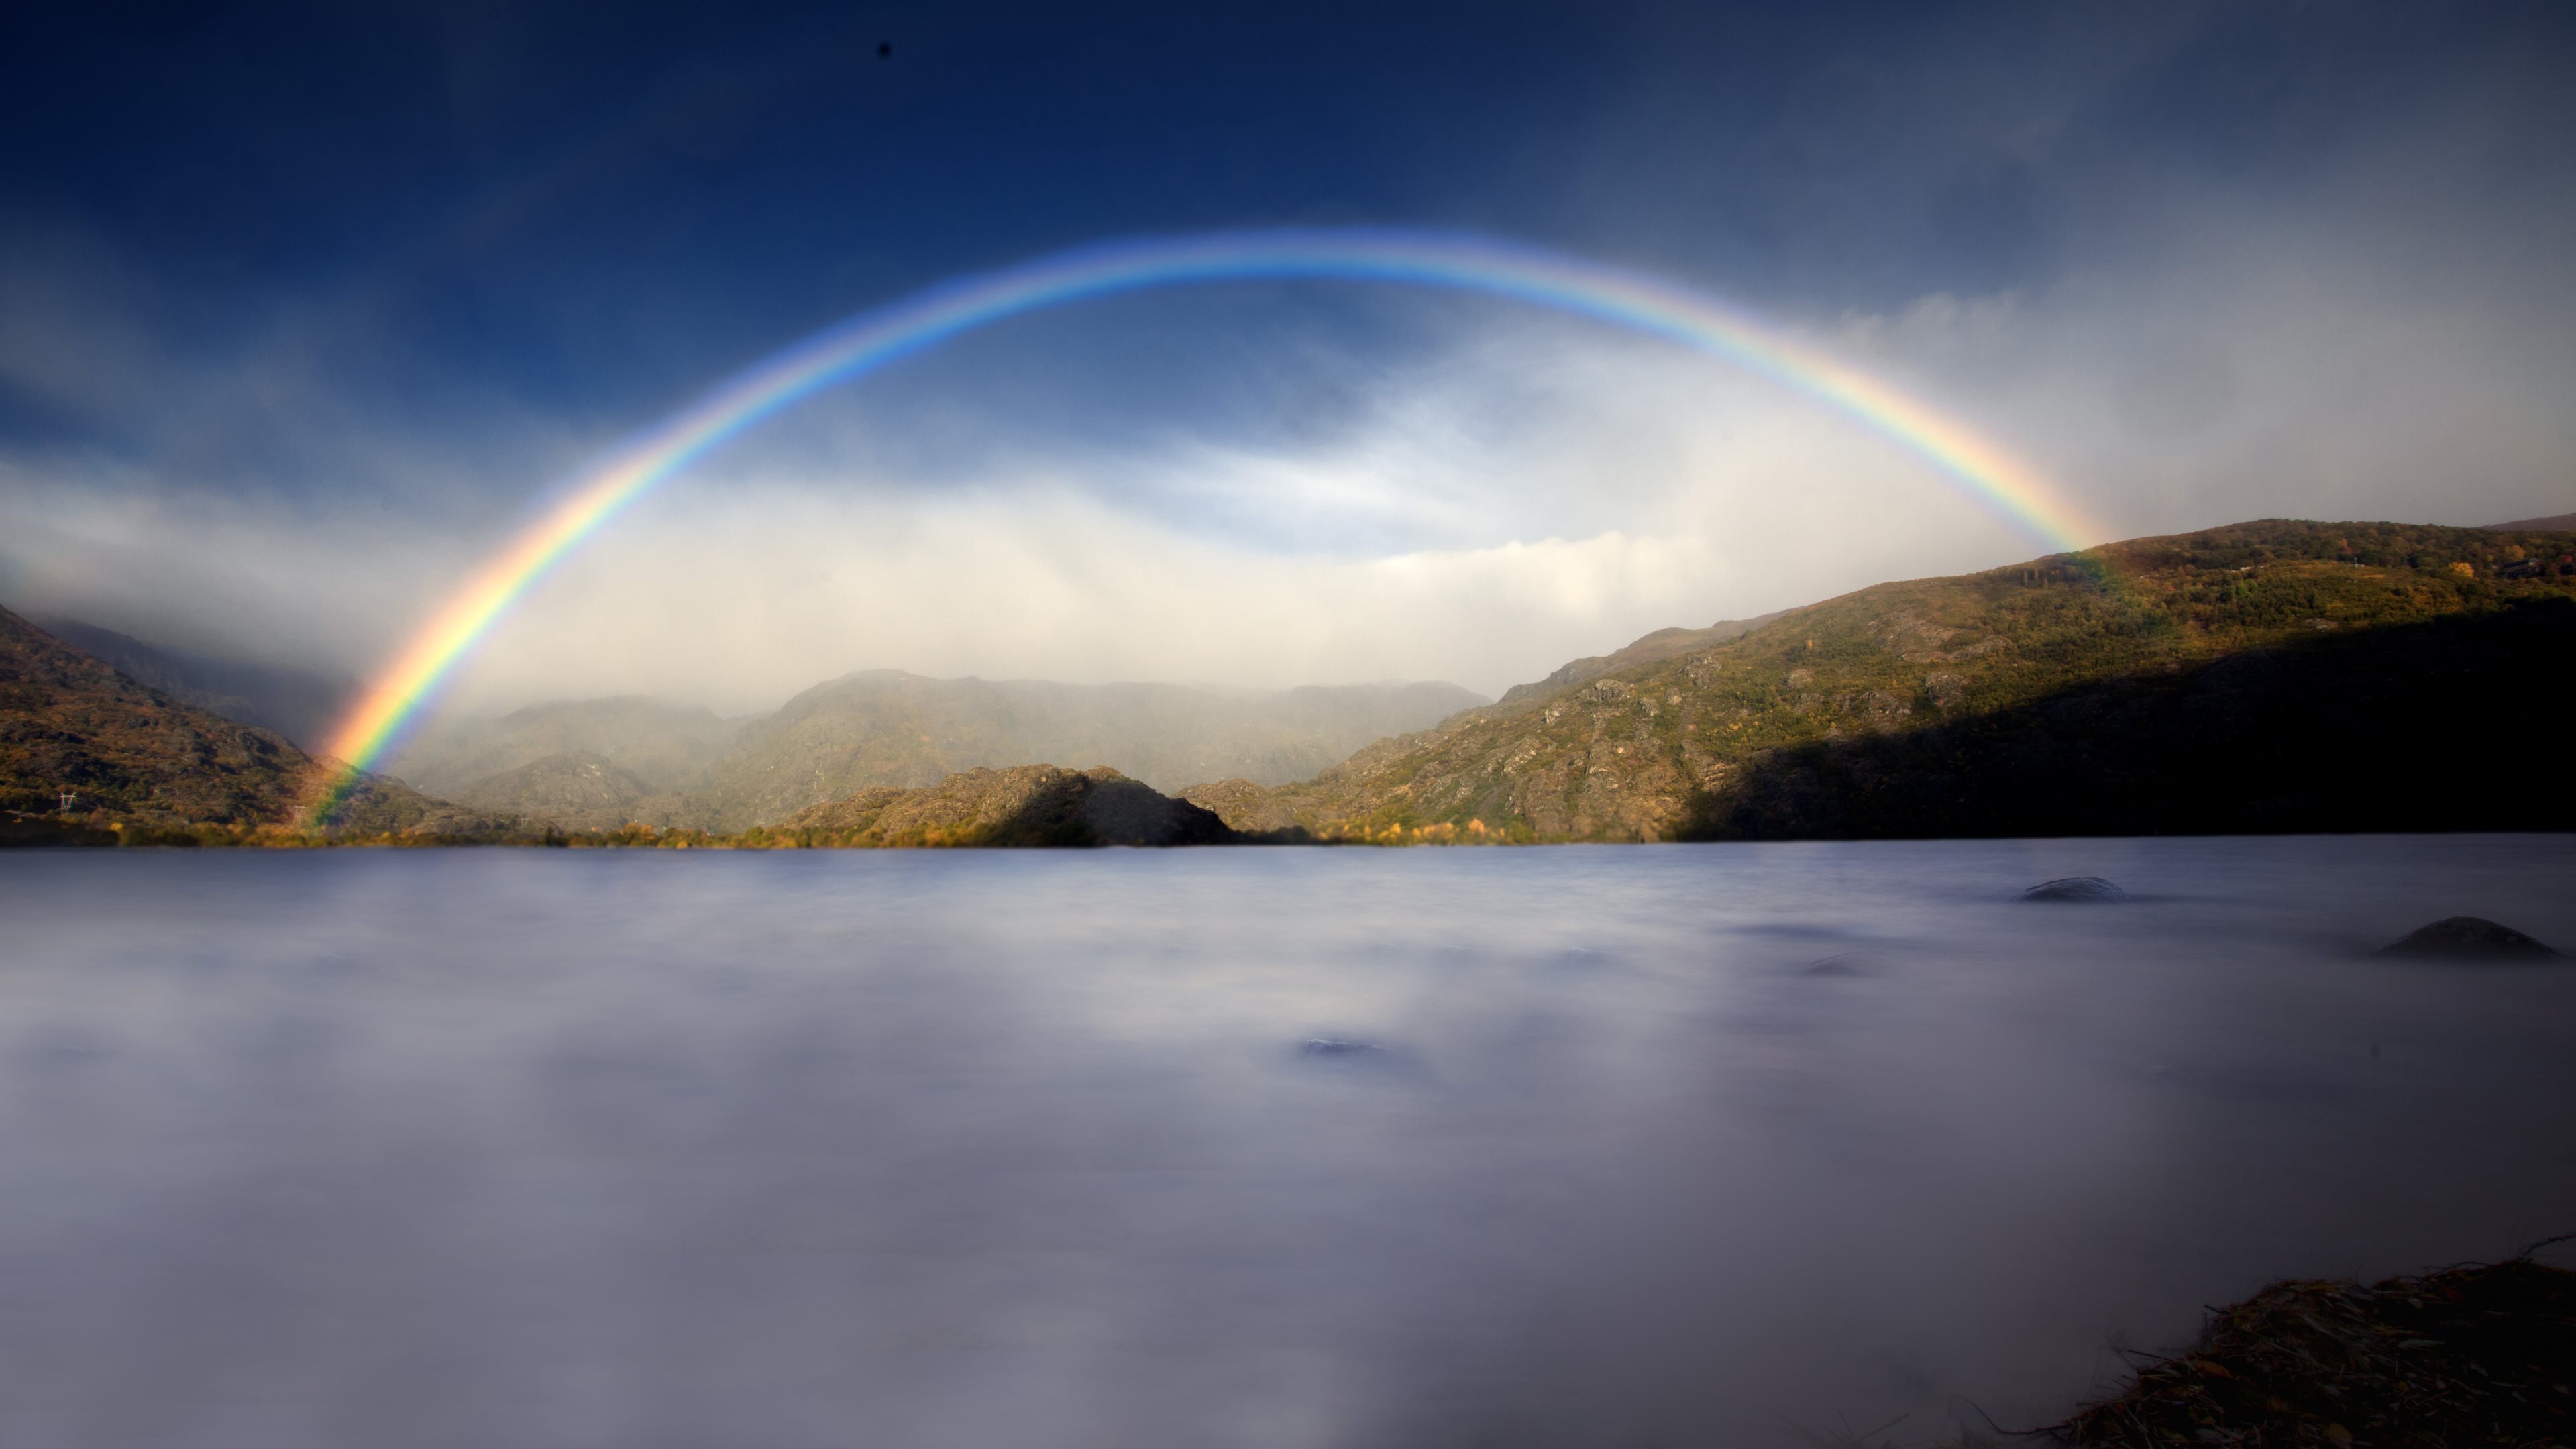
2469	938
2075	888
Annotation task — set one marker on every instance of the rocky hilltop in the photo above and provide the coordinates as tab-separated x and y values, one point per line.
1023	806
132	754
2268	676
1661	644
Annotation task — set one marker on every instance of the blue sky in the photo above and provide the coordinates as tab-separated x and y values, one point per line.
343	287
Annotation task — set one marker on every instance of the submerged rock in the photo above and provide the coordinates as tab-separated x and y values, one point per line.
1340	1055
2075	888
1338	1049
2469	938
1849	963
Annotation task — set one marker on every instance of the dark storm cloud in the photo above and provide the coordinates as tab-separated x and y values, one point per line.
592	209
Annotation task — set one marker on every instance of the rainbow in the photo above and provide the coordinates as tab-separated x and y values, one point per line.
872	339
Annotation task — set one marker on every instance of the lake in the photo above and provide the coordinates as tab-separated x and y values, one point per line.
1593	1146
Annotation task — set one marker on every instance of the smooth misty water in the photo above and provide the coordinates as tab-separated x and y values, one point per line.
493	1148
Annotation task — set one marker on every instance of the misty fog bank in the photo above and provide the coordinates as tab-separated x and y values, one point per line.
1699	1145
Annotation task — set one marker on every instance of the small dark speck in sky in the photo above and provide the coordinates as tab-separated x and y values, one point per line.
885	50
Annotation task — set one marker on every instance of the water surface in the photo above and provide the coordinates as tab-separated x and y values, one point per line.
1591	1146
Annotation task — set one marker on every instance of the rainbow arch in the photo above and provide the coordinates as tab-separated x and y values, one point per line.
872	339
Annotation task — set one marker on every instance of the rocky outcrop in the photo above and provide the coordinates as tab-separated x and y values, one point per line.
2076	888
1244	806
1028	805
2469	938
1661	644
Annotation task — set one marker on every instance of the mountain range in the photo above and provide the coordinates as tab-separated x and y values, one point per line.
2279	675
597	764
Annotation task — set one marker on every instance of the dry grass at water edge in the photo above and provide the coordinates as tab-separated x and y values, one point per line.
2483	1354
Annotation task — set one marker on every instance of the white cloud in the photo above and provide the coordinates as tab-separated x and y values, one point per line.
1559	536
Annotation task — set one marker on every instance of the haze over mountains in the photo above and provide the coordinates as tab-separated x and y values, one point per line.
300	704
2277	675
601	763
2556	522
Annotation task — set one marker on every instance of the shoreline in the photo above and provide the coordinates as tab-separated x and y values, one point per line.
41	832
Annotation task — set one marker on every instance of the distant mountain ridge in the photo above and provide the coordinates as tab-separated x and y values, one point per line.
578	789
2556	522
658	746
603	763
